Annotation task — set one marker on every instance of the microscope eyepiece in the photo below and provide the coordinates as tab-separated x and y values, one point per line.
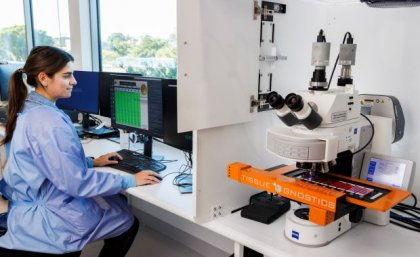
303	111
294	102
277	102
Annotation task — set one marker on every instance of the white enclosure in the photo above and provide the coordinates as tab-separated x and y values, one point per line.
218	44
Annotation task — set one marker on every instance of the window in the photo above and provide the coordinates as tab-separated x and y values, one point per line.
51	23
13	46
138	37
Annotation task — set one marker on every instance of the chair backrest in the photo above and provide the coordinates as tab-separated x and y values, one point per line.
6	71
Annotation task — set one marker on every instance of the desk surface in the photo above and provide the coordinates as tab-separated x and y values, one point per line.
363	240
164	194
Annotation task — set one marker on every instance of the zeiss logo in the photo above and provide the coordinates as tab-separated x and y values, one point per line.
295	234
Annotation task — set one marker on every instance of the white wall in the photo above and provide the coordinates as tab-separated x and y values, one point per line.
387	61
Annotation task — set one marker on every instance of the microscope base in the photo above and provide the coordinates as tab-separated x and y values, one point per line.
306	233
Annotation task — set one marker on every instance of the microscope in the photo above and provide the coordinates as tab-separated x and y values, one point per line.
324	131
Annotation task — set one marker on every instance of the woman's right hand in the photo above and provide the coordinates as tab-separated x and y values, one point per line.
147	177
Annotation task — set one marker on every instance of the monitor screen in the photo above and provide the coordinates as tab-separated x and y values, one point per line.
182	141
105	83
85	95
387	170
136	104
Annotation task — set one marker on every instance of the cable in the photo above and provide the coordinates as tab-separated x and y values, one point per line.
404	226
406	216
95	119
370	140
415	200
184	172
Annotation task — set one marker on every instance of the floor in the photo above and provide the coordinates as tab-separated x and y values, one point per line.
148	243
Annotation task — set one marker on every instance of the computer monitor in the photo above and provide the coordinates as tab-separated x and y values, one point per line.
85	95
6	70
182	141
136	105
105	83
388	170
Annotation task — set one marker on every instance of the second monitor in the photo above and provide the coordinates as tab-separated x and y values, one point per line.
136	105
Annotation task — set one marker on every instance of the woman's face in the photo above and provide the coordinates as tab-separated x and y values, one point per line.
60	84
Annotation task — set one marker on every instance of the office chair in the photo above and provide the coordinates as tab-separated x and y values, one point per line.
6	71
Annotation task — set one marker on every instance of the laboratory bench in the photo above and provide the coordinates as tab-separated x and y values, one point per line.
164	195
364	239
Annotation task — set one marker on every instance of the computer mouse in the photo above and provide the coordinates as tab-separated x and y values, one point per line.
158	177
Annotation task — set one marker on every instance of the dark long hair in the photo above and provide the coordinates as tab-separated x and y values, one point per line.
45	59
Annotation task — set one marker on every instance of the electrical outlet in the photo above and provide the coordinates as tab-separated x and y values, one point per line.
216	211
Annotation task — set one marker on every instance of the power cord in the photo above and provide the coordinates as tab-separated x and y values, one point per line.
184	177
371	137
406	216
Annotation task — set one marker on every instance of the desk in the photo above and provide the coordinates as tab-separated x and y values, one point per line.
164	195
363	240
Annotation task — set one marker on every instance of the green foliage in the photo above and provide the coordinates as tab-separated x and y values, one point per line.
124	52
109	56
148	46
150	56
41	38
160	71
13	42
121	43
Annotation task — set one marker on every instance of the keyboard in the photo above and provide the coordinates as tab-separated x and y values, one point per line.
134	162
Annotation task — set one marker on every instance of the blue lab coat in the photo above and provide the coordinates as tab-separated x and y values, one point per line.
57	203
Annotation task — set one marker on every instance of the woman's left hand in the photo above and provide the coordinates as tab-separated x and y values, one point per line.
107	159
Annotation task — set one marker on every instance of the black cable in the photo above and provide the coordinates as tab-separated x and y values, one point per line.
406	208
406	211
411	220
414	206
95	119
415	200
184	172
407	221
404	226
336	60
409	206
371	138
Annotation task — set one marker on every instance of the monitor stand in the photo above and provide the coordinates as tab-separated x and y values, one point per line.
148	144
148	148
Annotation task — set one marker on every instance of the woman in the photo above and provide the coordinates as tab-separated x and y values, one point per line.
57	204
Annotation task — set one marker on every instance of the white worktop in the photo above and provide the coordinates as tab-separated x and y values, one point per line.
164	194
363	240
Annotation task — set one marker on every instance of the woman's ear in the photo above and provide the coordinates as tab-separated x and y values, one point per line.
43	79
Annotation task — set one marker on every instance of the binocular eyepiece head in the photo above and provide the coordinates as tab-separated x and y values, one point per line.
294	102
303	111
277	102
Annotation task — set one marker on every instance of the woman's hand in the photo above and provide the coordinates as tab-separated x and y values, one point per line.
107	159
147	177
